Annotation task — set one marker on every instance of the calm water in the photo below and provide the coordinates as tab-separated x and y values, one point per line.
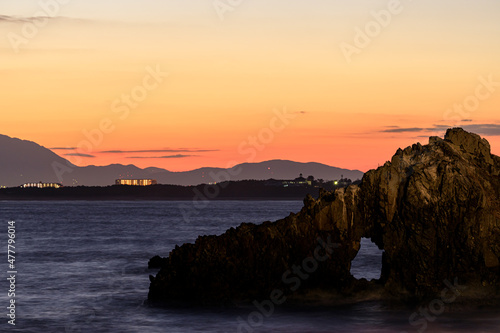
82	267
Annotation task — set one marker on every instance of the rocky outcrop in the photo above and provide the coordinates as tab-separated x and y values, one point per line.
433	209
252	260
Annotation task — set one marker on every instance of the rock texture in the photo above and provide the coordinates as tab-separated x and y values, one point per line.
249	261
433	209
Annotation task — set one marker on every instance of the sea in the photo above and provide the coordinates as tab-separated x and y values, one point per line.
81	266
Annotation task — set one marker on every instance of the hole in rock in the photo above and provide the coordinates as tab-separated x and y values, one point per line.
368	262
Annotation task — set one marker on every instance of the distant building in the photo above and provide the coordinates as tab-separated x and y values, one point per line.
41	185
299	181
343	182
136	182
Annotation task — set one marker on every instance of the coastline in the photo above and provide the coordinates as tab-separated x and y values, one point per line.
243	190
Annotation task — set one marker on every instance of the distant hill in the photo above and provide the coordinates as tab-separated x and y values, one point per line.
24	161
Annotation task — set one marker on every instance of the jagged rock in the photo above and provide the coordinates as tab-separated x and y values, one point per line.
433	209
435	212
251	260
157	262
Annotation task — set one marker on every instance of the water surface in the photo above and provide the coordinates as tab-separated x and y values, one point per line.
82	267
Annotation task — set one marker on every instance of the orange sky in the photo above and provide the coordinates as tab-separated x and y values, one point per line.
425	66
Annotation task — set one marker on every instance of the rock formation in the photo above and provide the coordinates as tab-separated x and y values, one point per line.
433	209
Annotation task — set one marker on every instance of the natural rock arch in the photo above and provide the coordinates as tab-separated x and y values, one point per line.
434	209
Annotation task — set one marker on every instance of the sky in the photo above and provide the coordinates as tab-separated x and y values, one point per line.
187	84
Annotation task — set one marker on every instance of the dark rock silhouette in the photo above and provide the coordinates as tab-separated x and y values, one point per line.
156	262
433	209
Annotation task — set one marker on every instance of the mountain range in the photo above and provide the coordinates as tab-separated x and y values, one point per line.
24	161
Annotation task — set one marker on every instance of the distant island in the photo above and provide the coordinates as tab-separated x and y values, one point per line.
24	162
270	189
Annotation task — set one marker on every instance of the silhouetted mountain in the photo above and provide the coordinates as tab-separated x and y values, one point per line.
24	161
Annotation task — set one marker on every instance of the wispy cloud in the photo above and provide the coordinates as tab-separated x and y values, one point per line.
25	19
167	156
80	155
403	130
158	151
5	18
180	150
483	129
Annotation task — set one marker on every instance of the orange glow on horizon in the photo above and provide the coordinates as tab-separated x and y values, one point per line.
176	80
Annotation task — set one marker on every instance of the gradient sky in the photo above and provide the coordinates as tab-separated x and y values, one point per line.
228	77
